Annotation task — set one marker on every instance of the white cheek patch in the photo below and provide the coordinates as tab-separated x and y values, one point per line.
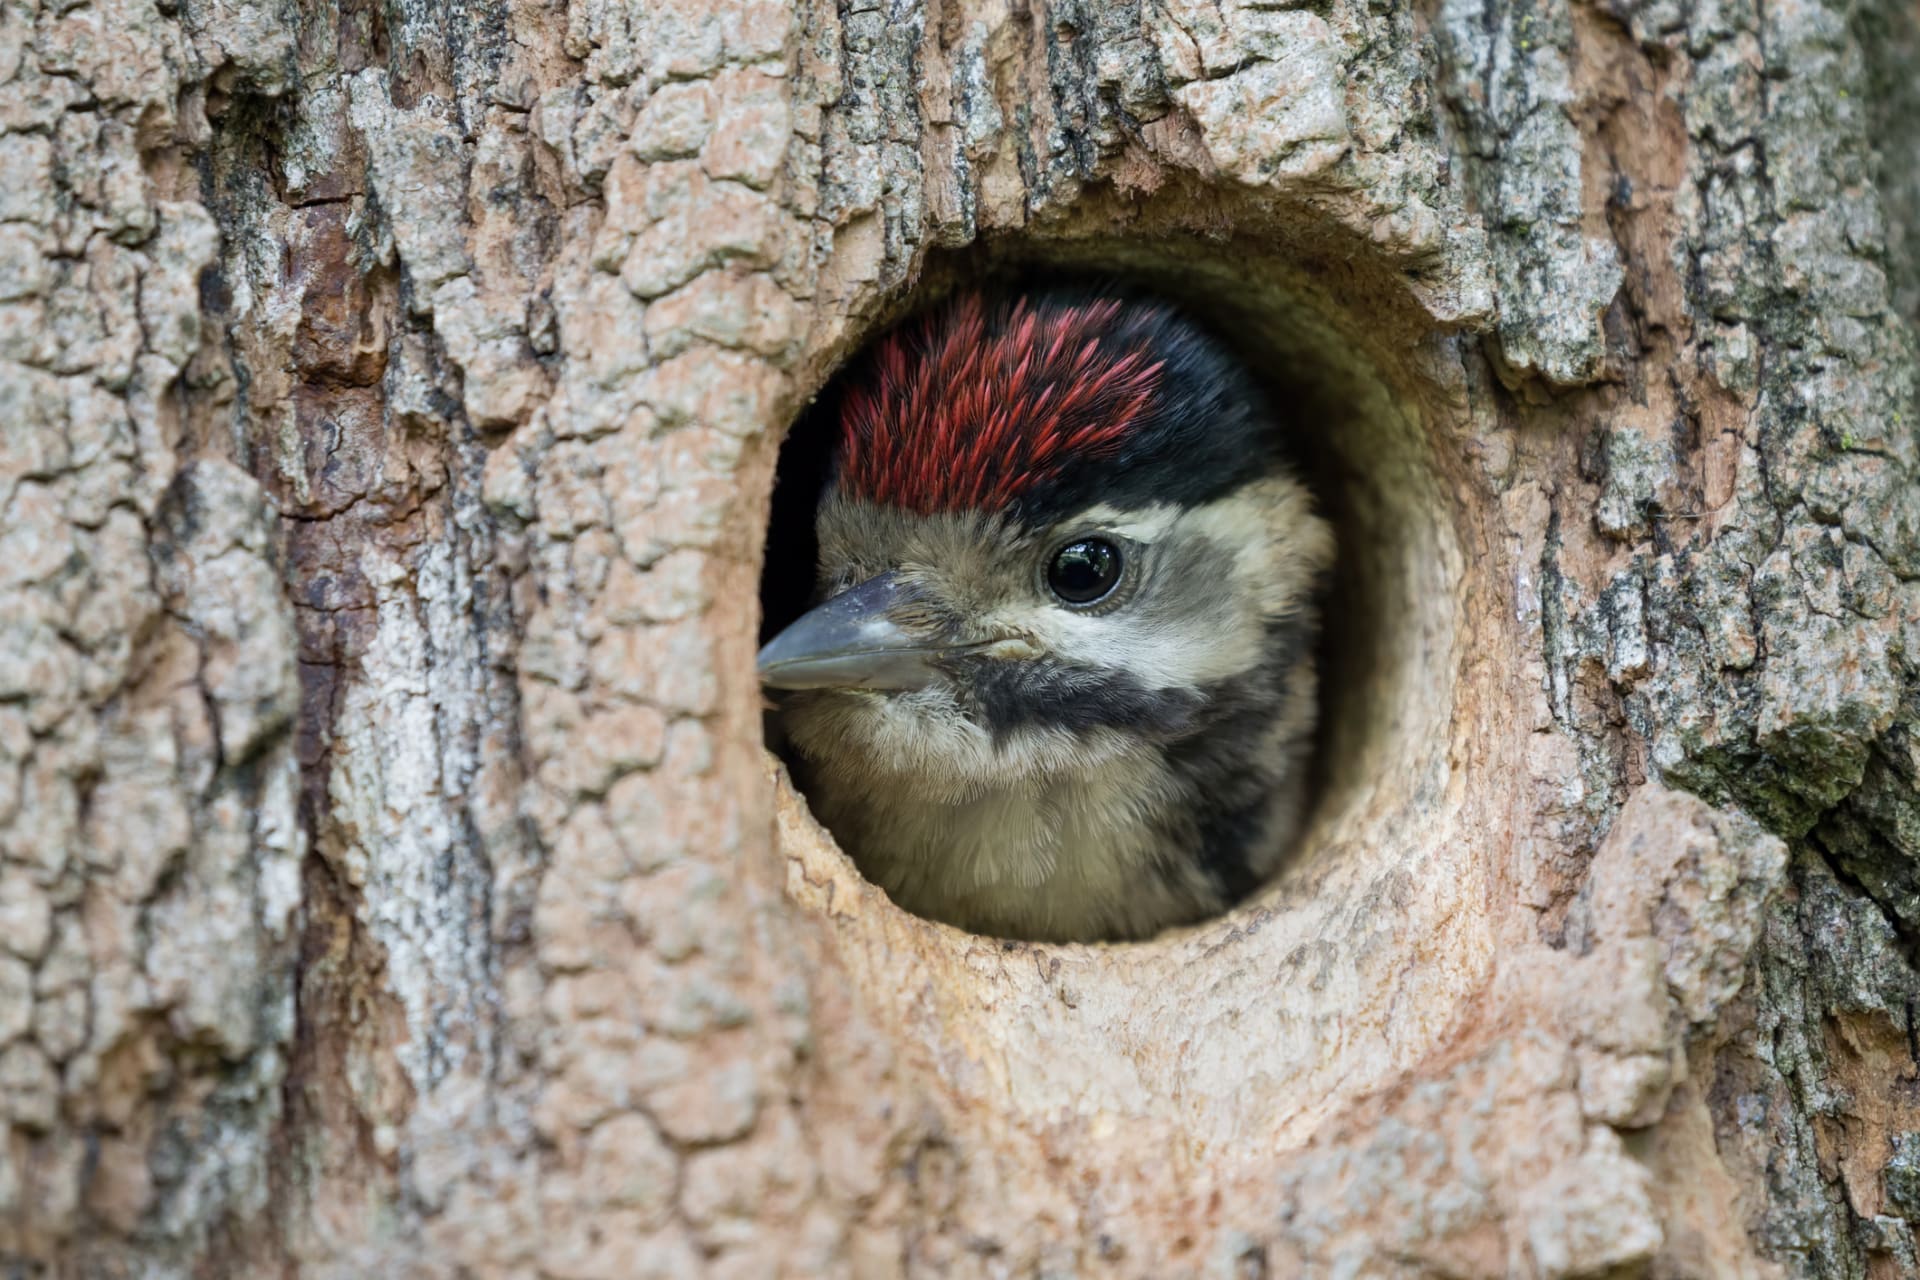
1159	651
1197	650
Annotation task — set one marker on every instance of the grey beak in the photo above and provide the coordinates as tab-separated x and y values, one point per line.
850	642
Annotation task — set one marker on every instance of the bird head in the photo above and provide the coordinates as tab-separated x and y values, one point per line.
1058	527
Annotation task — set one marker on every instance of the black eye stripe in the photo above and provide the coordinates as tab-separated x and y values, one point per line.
1085	570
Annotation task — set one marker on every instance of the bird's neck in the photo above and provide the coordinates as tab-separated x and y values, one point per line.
1056	854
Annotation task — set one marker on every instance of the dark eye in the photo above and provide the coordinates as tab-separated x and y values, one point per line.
1084	571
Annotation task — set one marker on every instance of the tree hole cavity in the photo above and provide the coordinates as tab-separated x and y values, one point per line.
1386	647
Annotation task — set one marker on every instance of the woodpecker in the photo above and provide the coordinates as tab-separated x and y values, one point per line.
1059	683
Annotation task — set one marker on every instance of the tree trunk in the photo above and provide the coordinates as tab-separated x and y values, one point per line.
394	881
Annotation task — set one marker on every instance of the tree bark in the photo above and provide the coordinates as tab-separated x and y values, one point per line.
394	882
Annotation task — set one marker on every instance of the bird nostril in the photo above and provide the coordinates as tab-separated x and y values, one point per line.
916	618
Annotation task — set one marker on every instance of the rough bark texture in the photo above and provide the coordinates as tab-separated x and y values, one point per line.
394	882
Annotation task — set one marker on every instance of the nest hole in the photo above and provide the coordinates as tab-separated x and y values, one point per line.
1337	376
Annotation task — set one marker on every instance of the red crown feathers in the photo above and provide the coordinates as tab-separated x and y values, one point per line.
952	418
